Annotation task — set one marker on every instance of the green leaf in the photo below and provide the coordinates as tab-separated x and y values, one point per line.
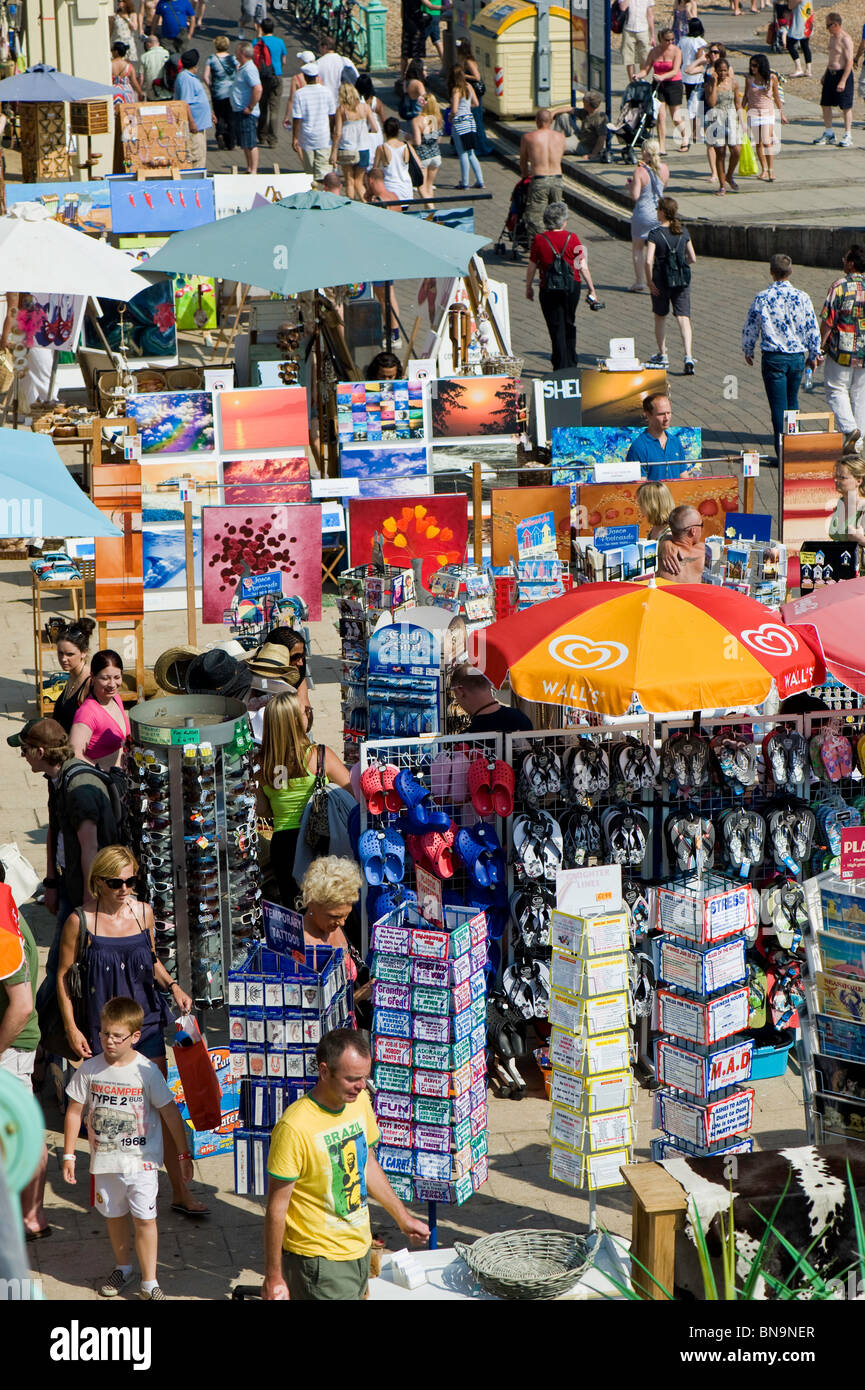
758	1260
710	1288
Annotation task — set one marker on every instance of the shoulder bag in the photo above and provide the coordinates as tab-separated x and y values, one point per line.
51	1025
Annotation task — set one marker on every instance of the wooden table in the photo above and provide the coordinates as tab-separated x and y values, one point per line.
659	1205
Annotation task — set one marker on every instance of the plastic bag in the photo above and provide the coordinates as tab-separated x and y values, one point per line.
18	872
200	1083
748	165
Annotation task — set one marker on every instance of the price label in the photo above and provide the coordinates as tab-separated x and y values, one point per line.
149	733
184	736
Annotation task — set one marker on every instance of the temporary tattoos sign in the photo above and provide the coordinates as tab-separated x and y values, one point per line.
242	542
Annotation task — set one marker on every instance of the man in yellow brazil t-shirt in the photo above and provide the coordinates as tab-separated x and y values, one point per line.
321	1166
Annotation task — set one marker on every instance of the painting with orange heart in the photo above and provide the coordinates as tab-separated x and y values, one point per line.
434	529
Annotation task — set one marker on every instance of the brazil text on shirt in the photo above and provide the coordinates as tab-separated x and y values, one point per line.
785	320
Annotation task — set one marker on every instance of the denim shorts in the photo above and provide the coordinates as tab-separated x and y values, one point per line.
432	27
245	130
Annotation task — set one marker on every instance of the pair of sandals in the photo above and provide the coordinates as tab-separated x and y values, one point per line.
382	901
531	911
787	995
540	776
482	854
449	777
785	753
833	816
743	834
791	833
788	913
691	842
587	769
538	845
491	785
685	761
378	787
635	764
433	849
831	755
581	837
627	834
382	856
526	987
737	761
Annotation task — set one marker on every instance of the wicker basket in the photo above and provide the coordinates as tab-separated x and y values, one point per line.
528	1264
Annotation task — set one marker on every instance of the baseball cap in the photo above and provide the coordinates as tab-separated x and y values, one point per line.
306	56
39	733
310	69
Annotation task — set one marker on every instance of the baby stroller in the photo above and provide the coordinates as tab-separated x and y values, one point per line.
776	33
636	120
515	226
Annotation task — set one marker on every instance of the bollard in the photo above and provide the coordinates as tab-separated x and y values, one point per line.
376	36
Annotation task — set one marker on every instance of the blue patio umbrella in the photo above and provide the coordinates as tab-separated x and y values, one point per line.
44	83
315	239
39	496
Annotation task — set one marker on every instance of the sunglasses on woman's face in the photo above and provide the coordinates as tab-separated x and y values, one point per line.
115	884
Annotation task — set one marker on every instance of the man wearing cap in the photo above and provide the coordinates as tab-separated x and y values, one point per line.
244	97
189	88
312	111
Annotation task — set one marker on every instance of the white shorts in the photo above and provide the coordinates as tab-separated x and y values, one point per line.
20	1064
116	1195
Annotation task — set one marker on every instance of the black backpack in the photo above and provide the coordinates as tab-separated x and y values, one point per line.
114	784
560	278
677	272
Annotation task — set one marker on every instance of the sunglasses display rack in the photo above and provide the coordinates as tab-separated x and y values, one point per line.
429	1053
278	1010
364	593
194	814
702	1058
591	1127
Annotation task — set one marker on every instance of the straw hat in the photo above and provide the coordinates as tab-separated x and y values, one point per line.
169	670
272	660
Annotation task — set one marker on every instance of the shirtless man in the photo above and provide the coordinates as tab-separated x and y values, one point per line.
837	87
541	153
685	539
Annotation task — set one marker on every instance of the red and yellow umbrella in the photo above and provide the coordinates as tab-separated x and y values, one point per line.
674	646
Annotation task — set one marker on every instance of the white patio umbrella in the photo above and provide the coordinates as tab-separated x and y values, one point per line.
41	256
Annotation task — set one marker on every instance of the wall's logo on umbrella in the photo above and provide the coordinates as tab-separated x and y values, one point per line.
570	649
772	639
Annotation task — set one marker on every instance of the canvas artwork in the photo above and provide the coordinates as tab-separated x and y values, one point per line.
385	471
264	481
615	504
116	491
160	205
432	528
86	206
241	542
809	496
272	418
369	411
51	320
577	449
165	557
237	192
195	302
463	407
511	505
616	398
174	422
147	327
161	483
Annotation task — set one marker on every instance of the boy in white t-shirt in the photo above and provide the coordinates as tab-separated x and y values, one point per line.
126	1097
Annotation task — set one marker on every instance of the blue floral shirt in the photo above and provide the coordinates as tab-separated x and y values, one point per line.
784	317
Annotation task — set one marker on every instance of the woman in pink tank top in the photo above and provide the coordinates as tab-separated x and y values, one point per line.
100	729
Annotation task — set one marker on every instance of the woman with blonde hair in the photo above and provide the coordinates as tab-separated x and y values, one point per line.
645	185
463	102
289	763
352	123
425	130
328	892
655	501
848	519
121	959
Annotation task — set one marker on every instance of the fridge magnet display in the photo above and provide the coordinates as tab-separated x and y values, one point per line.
161	484
263	418
616	398
512	505
244	541
174	422
476	405
370	411
265	481
434	529
384	471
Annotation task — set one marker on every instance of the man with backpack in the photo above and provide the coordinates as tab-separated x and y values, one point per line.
175	23
669	257
269	55
560	257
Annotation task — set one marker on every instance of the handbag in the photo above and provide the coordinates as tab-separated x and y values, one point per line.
748	165
18	872
317	824
51	1025
617	17
415	168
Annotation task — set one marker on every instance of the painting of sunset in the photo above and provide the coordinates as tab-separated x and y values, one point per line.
467	406
808	486
249	482
268	418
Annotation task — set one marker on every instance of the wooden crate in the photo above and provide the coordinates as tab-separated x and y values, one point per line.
88	117
44	156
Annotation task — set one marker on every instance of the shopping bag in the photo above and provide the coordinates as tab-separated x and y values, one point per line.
18	872
200	1083
748	165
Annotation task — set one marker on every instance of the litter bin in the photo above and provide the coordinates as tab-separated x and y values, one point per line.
505	38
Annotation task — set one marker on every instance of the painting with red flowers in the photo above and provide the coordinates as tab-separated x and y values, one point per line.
258	482
434	529
252	542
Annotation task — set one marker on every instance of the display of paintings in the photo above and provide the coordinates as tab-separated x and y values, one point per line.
370	411
385	471
174	422
838	1077
265	481
241	542
147	328
511	505
615	504
464	407
237	192
434	529
194	303
159	205
577	449
161	483
273	418
50	320
808	497
86	206
616	398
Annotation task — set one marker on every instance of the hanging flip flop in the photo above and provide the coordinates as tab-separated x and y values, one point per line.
480	786
371	857
503	788
370	785
525	847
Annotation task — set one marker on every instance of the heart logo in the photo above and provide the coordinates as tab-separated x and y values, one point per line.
772	639
581	653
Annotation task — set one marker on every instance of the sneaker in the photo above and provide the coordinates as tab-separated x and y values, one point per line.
116	1282
846	141
689	366
827	138
658	359
154	1296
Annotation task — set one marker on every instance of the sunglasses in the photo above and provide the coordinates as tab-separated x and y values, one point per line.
115	884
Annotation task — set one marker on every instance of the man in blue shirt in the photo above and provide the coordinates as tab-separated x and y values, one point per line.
784	320
244	97
191	89
661	453
176	20
269	46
